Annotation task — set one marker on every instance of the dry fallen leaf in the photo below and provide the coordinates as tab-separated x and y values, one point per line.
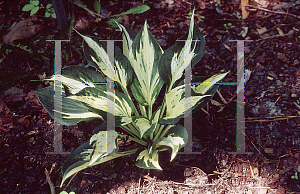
280	31
282	57
81	23
126	20
201	4
245	13
3	108
262	30
281	5
14	94
244	31
24	29
262	3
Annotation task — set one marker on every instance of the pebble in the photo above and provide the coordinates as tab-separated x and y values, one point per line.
181	24
279	83
121	190
260	73
284	83
294	95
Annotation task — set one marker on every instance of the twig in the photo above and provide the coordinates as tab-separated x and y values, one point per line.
52	189
222	98
190	184
268	37
71	179
254	51
91	12
277	12
262	119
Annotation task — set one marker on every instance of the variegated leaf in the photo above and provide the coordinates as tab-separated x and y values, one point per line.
95	51
179	137
123	70
103	143
188	49
72	111
144	57
143	125
176	105
210	85
79	160
143	160
128	36
76	78
96	99
161	144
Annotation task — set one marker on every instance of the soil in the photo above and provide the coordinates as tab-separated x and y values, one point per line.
272	108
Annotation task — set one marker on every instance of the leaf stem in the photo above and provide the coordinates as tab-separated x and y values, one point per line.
137	140
156	136
132	136
150	112
159	126
133	126
126	92
143	110
131	132
165	131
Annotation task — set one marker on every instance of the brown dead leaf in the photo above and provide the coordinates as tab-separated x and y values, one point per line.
262	3
14	94
282	57
262	30
255	171
201	4
25	121
6	123
245	12
126	20
3	108
280	190
81	23
32	97
281	5
24	29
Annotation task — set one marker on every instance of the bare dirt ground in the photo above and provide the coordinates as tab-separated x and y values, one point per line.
272	107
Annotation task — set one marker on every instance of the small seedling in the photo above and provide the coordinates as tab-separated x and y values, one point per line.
97	6
34	6
227	26
238	15
218	4
200	18
295	176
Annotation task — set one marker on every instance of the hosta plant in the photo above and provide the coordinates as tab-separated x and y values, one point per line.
141	71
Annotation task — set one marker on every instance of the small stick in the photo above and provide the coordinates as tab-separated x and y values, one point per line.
52	189
277	12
